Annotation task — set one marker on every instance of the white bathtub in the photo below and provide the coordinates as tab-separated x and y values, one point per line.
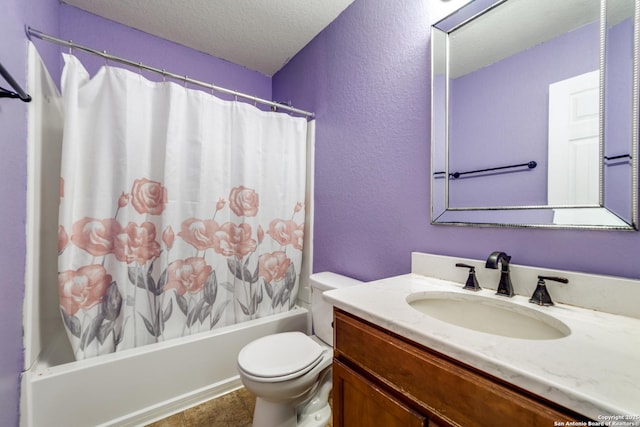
142	385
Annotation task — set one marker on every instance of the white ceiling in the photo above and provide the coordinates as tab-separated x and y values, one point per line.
260	35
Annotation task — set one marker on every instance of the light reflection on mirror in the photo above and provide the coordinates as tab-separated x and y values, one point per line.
518	83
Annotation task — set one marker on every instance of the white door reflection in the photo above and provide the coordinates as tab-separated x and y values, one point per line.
574	171
574	150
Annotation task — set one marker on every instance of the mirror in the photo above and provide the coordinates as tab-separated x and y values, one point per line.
534	114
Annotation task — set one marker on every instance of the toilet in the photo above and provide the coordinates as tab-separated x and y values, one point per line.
290	372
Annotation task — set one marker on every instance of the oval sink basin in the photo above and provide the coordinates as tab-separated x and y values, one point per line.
489	315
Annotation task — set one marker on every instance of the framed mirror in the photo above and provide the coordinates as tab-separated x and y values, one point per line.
535	114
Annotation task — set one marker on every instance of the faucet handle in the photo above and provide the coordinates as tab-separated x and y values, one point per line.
472	283
541	294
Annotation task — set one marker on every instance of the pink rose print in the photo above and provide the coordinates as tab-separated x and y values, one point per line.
189	275
287	232
199	232
260	233
148	196
243	201
297	237
168	236
273	266
220	204
123	200
137	243
63	239
281	230
83	288
299	207
94	235
233	239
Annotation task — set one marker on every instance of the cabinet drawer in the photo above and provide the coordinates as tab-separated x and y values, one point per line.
453	393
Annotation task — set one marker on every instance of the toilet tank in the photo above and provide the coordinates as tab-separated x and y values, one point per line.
322	311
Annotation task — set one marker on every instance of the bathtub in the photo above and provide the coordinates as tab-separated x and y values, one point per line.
139	386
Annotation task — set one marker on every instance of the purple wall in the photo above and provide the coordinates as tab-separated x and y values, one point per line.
12	213
367	78
13	125
67	22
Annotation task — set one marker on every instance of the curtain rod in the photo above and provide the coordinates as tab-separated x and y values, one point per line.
274	105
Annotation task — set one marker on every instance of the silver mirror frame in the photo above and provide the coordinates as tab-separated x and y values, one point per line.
515	216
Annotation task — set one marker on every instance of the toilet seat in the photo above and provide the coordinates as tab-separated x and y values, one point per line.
280	357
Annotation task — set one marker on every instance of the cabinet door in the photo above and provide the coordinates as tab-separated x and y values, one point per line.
358	402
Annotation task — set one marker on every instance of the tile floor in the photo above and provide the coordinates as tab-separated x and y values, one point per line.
230	410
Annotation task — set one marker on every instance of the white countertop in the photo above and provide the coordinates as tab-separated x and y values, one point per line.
594	371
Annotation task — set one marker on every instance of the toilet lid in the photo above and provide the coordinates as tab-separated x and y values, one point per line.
280	355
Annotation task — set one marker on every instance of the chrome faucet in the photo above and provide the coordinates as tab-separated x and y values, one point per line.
504	287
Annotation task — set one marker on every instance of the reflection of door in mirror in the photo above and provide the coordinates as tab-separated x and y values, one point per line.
574	155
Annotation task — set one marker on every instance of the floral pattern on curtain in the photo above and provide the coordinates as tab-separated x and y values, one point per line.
179	212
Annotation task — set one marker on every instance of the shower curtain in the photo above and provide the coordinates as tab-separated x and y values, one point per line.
179	212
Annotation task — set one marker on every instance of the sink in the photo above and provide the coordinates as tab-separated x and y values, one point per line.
489	315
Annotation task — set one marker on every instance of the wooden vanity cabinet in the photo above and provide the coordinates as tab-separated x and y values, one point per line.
382	379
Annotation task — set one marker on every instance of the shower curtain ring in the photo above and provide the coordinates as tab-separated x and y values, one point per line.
106	60
70	46
185	80
164	75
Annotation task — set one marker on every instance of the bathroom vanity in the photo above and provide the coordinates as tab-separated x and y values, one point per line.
380	378
397	365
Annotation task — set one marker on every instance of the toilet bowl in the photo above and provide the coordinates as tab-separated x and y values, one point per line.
290	373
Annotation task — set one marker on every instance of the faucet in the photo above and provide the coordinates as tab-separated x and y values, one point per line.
504	287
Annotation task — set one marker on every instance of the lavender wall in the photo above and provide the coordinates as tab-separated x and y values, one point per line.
13	126
12	214
367	77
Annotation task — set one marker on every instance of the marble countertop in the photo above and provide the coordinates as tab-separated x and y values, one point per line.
594	371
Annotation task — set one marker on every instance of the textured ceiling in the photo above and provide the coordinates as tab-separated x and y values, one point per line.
260	35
